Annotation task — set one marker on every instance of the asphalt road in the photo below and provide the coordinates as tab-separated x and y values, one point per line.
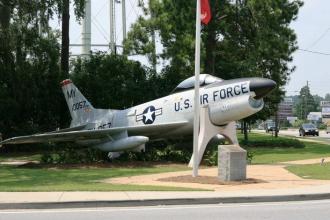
325	138
254	211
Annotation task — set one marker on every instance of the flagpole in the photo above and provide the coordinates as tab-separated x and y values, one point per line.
196	98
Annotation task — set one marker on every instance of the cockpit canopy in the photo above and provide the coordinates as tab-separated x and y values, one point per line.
204	79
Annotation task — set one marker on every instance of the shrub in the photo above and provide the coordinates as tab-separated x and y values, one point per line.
47	158
322	126
210	158
161	152
298	123
73	155
274	142
169	153
249	157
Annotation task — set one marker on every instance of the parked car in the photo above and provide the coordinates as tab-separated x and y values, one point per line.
261	127
308	129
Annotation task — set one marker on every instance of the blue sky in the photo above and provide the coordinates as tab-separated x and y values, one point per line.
311	27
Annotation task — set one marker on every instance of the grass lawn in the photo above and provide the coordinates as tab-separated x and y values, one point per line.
278	153
14	178
311	171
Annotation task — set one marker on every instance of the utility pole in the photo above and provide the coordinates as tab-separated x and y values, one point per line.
153	39
86	34
65	38
123	5
154	58
306	97
112	27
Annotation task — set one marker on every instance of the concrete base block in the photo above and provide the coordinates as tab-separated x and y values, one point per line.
231	163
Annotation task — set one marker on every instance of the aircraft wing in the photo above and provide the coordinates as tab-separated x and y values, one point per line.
66	136
77	128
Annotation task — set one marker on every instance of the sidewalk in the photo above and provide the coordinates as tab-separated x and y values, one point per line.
52	200
277	184
53	197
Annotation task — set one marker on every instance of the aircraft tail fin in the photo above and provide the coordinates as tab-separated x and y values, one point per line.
81	110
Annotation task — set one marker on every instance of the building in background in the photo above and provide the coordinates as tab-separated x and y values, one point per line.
285	110
315	117
325	112
292	120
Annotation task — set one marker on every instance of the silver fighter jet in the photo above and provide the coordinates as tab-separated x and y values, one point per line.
167	117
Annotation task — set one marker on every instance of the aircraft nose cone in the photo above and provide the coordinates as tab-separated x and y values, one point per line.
261	87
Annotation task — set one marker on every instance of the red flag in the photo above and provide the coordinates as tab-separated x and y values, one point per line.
205	11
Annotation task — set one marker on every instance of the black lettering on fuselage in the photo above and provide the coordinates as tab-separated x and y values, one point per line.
229	91
215	95
177	106
205	98
244	88
104	126
237	90
186	103
222	93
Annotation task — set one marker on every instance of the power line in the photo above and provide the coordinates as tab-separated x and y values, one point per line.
100	30
97	23
94	17
315	52
320	38
134	9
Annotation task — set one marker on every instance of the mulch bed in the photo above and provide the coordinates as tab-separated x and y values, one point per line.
209	180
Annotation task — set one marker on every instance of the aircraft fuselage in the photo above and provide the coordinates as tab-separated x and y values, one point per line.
229	100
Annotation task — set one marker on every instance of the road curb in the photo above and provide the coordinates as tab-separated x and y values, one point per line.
160	202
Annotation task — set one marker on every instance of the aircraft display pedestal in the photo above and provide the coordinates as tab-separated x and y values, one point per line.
208	130
231	163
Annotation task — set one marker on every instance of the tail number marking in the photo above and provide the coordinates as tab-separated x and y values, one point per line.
79	105
71	94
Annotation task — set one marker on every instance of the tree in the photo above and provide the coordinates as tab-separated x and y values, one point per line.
271	43
327	97
30	97
173	21
317	100
306	103
64	14
29	73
